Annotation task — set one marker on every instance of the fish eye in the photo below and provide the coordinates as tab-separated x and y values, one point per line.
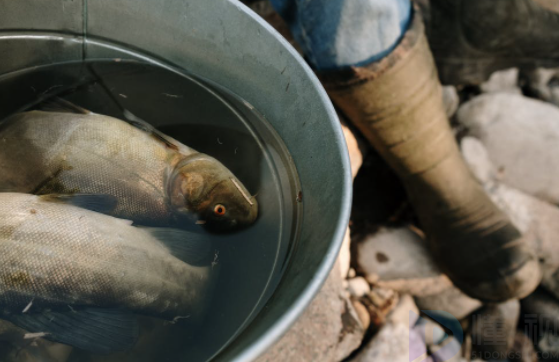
219	210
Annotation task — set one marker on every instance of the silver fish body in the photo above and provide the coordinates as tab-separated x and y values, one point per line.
151	179
54	256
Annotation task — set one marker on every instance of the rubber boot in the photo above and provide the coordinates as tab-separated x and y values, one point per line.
397	104
471	39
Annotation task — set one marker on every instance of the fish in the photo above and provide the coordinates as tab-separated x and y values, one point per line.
126	169
80	278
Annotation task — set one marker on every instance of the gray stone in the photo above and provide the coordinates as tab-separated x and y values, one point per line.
355	148
550	281
450	300
476	157
544	84
329	330
398	259
503	81
521	136
344	257
362	313
493	330
549	346
395	341
451	100
544	306
523	349
358	287
391	343
432	332
380	303
536	219
448	351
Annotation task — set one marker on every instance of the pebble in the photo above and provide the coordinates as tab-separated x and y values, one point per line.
536	219
450	300
344	257
362	313
543	305
398	259
354	148
503	81
544	84
523	349
358	287
396	341
521	136
451	100
493	330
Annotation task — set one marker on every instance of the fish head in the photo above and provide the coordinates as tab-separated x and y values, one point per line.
203	186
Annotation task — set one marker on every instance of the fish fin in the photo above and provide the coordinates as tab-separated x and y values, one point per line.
92	329
58	104
139	123
95	202
190	247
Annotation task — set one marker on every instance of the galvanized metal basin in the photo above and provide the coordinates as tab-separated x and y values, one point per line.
225	42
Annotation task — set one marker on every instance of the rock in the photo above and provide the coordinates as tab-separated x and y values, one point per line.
523	349
355	148
521	137
536	219
448	352
362	313
503	81
431	332
398	259
543	84
344	257
549	346
543	305
550	281
451	100
358	287
328	330
395	341
450	300
493	330
476	157
392	343
380	303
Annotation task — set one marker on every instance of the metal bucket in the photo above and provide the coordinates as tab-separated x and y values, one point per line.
226	43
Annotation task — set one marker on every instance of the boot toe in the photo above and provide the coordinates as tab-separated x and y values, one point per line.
516	281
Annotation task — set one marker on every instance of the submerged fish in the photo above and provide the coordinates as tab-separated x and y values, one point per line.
79	277
136	172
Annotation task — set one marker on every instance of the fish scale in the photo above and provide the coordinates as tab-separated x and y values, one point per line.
147	174
96	260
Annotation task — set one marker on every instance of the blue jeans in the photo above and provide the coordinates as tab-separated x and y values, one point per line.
339	33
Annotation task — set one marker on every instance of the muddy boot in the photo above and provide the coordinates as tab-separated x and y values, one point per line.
470	39
396	103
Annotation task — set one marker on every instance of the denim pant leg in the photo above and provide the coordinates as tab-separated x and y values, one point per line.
339	33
